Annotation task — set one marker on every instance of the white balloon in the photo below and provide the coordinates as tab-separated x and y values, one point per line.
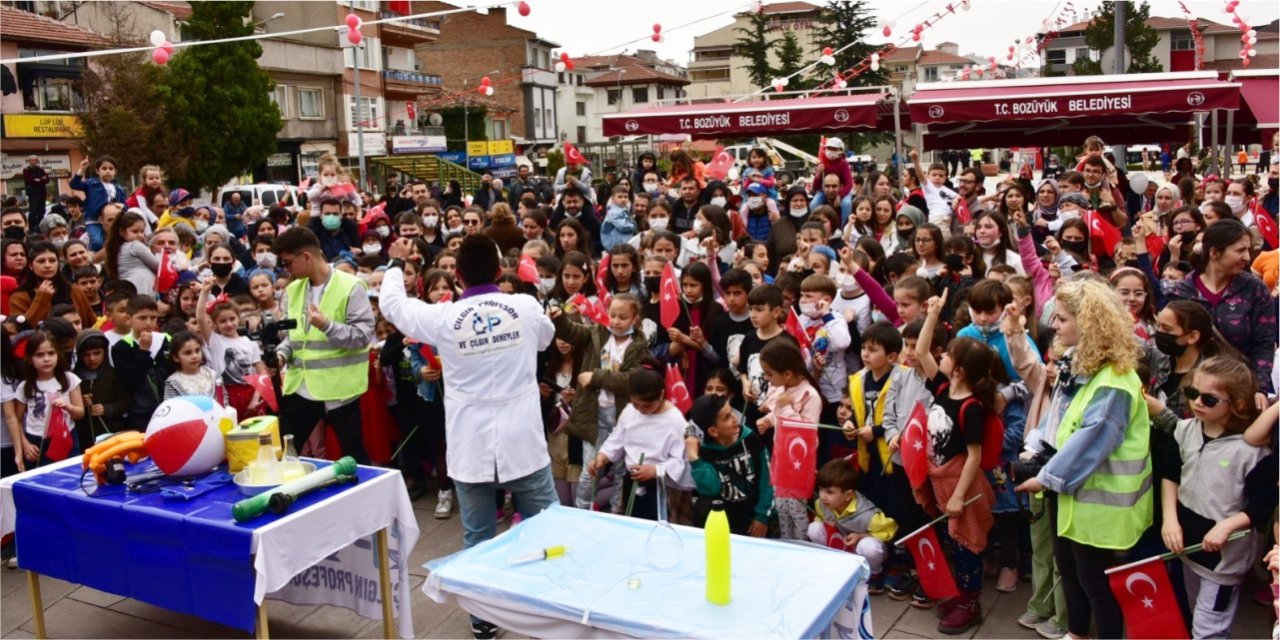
1253	52
560	67
488	91
875	65
157	37
1138	182
732	174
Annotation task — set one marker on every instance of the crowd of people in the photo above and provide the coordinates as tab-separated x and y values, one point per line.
1121	333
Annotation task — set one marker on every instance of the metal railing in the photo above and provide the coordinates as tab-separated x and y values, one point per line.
412	23
411	76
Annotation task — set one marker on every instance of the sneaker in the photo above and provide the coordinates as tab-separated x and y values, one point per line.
920	600
901	586
875	585
516	518
965	615
11	563
1008	581
1030	620
1049	629
444	504
481	630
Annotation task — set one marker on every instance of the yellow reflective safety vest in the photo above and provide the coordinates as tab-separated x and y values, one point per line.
859	403
330	373
1113	506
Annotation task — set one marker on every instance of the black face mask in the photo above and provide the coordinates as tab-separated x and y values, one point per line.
1274	183
954	262
1167	343
1080	247
1188	239
652	283
221	269
15	233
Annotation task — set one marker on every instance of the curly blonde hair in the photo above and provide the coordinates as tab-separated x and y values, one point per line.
1104	325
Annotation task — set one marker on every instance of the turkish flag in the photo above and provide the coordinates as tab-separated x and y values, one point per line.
677	390
410	108
58	434
528	270
1155	245
669	303
962	211
447	297
572	155
1102	231
797	331
721	163
429	354
602	286
591	309
1147	601
795	459
914	446
835	539
261	383
166	275
1266	227
931	565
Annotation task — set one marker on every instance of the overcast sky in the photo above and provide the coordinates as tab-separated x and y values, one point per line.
607	26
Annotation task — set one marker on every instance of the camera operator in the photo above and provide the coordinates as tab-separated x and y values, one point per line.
325	357
1098	485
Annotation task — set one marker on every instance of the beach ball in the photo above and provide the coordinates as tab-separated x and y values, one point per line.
183	437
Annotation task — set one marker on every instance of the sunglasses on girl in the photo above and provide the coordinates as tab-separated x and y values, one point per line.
1208	400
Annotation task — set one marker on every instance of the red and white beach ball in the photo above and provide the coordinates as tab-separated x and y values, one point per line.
183	437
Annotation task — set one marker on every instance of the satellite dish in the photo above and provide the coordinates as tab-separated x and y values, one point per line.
434	119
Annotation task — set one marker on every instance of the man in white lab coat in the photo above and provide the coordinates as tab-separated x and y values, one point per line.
488	344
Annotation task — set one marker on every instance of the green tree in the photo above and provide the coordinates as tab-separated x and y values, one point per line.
840	23
123	111
754	44
790	60
219	99
1140	40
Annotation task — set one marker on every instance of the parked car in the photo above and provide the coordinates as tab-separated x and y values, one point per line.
264	194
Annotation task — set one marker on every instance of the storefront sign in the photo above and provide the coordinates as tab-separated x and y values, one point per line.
280	160
456	157
417	144
748	118
963	106
11	165
42	126
501	147
477	148
478	163
375	144
505	160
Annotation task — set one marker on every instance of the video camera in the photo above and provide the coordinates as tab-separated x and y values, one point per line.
268	336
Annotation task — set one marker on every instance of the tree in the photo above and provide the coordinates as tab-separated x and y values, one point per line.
219	99
790	60
1140	40
840	23
754	44
123	112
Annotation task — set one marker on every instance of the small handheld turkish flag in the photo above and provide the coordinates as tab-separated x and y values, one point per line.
1266	227
1147	601
602	282
58	434
795	459
677	390
528	270
835	539
962	212
590	309
261	383
166	275
572	155
931	565
914	446
1103	231
669	301
797	331
720	164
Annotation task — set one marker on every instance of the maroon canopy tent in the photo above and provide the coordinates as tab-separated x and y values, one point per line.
1259	116
1065	110
752	118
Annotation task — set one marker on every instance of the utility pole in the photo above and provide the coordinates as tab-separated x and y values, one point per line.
1121	8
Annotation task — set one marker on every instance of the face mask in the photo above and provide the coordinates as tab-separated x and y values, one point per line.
267	260
799	213
756	202
906	236
430	222
331	221
849	286
652	283
201	226
221	269
383	232
1236	203
692	302
988	245
719	201
58	242
833	154
1167	343
1092	185
1079	247
15	233
187	212
651	187
1188	238
809	310
545	285
372	249
658	224
622	334
987	329
699	224
955	263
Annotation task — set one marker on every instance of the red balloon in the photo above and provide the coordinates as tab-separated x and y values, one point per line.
657	28
485	81
826	51
918	28
353	21
564	56
887	31
916	36
569	65
657	37
160	56
168	47
523	8
354	37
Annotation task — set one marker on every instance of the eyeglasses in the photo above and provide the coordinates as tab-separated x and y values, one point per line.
966	181
471	223
1208	400
1182	223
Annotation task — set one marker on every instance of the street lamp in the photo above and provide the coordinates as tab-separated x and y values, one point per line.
466	121
259	25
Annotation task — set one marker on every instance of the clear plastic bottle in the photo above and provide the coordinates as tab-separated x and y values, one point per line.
266	468
716	533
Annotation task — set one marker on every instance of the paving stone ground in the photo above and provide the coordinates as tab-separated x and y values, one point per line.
72	611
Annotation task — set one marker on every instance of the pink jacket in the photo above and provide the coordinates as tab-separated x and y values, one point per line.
1040	278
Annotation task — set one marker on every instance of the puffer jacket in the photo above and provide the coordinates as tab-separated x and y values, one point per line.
590	340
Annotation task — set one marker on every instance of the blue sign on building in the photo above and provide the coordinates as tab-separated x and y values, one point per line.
456	157
478	163
505	160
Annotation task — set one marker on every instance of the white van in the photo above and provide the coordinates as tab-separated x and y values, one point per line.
264	194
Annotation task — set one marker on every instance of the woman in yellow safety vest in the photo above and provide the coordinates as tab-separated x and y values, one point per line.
1096	438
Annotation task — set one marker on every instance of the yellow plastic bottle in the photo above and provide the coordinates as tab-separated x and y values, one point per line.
716	533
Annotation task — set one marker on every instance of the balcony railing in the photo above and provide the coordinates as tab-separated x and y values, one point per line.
411	76
412	23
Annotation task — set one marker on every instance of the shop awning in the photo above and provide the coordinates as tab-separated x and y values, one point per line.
1140	108
751	118
1259	90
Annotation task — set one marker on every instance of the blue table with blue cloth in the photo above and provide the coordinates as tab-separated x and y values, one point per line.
187	554
604	585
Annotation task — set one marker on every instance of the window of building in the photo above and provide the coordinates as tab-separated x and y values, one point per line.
640	95
280	96
1055	56
52	94
537	118
582	135
661	93
367	5
1181	40
548	120
499	129
369	54
1084	53
899	68
614	96
930	74
368	112
581	108
708	75
310	103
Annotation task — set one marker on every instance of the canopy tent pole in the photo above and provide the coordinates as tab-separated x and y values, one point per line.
1231	120
1213	143
897	127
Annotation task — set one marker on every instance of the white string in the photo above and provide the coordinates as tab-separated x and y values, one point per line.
256	36
676	28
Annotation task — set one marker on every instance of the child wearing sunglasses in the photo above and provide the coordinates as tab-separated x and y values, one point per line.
1224	485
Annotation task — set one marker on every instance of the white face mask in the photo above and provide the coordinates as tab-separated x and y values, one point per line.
755	202
201	226
834	154
799	213
849	285
1236	203
545	285
810	310
650	187
719	201
383	231
266	260
372	249
658	224
699	224
430	222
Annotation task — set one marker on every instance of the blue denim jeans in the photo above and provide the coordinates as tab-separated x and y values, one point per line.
845	208
97	237
531	494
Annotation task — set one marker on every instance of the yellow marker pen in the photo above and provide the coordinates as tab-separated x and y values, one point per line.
534	556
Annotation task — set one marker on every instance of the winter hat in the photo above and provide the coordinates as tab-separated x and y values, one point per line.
178	195
1077	199
703	412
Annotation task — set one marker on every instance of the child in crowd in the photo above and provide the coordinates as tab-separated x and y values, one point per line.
846	519
618	226
792	394
829	335
729	462
766	312
47	390
232	357
429	446
98	192
144	353
190	376
105	399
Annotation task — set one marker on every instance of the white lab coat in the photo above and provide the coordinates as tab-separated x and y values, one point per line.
488	344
